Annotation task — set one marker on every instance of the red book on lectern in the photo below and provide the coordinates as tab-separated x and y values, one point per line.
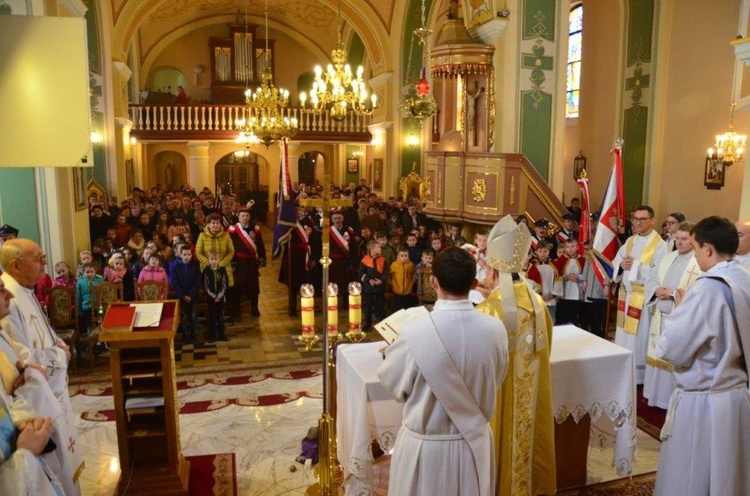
119	318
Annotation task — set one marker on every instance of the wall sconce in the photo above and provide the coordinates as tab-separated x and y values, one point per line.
412	141
133	141
357	153
96	138
377	140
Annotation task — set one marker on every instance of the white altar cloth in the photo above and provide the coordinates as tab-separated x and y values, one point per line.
589	375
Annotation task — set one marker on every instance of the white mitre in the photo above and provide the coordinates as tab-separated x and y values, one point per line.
508	246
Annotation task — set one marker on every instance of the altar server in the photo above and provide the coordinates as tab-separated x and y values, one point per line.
706	435
446	368
677	271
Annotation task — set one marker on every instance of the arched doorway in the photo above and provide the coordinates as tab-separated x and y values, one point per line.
308	163
244	174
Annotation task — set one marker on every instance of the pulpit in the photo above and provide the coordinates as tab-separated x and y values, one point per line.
145	399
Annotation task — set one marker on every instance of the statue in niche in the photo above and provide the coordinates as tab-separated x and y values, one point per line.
453	9
472	104
169	174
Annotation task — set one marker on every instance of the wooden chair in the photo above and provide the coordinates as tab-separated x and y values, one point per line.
151	291
101	297
63	315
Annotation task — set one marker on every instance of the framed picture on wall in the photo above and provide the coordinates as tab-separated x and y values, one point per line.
713	177
377	174
79	187
352	165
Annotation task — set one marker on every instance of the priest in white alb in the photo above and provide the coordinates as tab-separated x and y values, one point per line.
446	369
706	435
636	260
667	285
23	262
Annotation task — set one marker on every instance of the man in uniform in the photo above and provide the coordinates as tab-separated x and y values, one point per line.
634	264
567	232
667	285
7	232
297	262
250	254
540	233
342	238
523	425
706	435
446	368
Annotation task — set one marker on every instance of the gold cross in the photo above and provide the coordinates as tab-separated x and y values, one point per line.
326	203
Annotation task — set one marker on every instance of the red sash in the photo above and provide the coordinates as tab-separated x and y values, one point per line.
562	237
339	239
308	252
246	240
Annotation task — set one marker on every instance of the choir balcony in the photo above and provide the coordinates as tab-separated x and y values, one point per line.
217	122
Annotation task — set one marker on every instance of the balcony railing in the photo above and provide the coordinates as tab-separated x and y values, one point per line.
213	121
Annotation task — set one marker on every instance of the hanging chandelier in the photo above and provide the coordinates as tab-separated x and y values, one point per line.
730	145
266	122
417	103
338	88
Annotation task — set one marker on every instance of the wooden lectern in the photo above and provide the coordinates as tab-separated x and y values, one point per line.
145	397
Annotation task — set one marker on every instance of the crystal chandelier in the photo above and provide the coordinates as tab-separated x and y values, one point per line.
417	103
267	122
729	146
338	88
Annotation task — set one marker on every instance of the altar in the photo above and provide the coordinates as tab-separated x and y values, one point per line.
591	379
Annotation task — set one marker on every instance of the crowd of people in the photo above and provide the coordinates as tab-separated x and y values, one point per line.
668	286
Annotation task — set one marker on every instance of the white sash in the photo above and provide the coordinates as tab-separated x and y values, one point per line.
339	239
308	250
440	373
247	240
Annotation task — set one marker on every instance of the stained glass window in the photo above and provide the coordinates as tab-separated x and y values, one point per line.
575	30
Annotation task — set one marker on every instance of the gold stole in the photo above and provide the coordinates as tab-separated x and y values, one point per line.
628	320
692	271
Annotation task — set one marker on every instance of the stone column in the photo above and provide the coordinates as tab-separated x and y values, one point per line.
198	166
294	160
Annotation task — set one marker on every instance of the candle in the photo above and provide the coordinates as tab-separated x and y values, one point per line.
333	315
307	307
355	312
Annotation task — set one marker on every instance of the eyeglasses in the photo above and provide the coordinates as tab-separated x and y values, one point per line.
39	257
641	219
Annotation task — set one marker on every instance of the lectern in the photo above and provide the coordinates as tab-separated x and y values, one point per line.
145	397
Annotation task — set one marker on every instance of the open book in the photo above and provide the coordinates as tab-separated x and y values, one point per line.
391	327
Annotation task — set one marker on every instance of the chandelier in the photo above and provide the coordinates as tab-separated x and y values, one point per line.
338	88
417	103
729	146
266	121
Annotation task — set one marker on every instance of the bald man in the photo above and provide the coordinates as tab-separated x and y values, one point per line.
23	263
743	249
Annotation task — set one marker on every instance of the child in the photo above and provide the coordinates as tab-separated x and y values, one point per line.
385	249
544	274
186	281
415	252
83	296
141	263
215	283
401	277
480	243
122	231
373	273
425	291
119	272
84	258
436	244
154	272
569	267
63	276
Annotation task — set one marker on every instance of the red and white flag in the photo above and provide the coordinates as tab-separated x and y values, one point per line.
611	222
584	229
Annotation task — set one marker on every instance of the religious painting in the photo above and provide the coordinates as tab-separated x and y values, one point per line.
713	177
79	187
352	165
377	174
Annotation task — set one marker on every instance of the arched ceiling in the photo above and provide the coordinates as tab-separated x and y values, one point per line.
151	21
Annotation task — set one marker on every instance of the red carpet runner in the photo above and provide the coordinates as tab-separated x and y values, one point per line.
213	475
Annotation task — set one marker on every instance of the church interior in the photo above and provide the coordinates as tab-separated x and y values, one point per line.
481	108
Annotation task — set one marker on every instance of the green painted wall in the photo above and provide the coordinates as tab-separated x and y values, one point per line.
352	177
412	51
635	125
537	67
18	201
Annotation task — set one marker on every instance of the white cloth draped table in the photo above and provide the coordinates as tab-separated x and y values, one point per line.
589	375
